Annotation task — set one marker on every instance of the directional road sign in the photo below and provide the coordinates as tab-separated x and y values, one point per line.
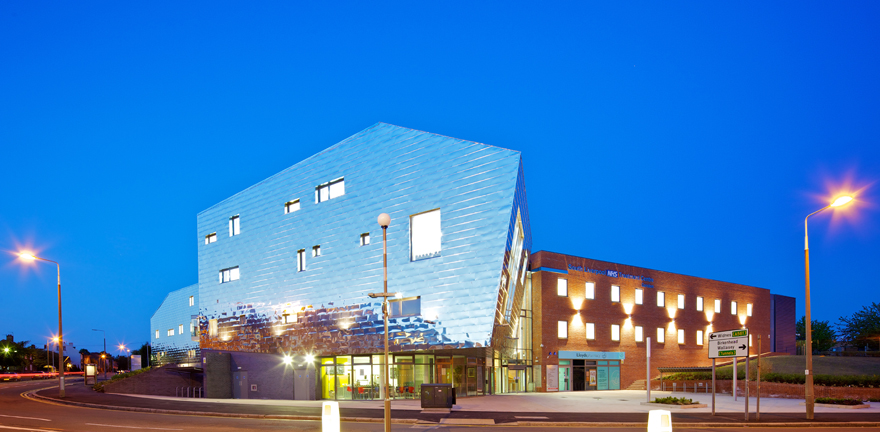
729	344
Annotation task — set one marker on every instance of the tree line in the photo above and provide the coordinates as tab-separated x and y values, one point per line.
860	330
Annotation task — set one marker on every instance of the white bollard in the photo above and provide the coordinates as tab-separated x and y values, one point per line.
330	417
659	421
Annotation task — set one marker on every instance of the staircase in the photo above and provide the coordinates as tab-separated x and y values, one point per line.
637	385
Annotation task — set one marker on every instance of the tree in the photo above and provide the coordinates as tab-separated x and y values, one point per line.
821	333
862	329
144	351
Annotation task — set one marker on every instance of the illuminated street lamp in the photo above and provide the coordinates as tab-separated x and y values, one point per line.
384	221
808	387
30	257
103	353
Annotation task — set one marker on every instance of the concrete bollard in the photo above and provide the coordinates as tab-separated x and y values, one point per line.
659	421
330	417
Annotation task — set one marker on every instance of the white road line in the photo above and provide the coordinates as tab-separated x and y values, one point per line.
128	427
26	429
30	418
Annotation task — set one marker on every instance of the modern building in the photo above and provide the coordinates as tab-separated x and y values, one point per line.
286	268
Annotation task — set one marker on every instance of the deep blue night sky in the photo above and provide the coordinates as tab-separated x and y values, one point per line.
691	138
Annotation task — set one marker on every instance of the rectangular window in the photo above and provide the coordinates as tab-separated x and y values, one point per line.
700	304
234	226
180	329
229	275
301	260
425	235
170	332
157	334
192	300
365	239
562	329
661	298
615	293
639	334
291	206
615	332
661	335
681	301
210	238
591	331
733	308
681	336
699	337
718	306
590	290
639	294
316	251
212	328
330	190
748	309
562	287
750	339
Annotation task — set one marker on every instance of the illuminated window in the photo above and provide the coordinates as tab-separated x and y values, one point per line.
750	339
301	260
234	226
700	304
590	290
639	334
365	239
591	331
316	251
330	190
681	336
171	332
748	309
562	287
192	300
661	335
733	308
639	295
615	293
229	275
615	332
681	301
157	334
661	298
425	235
180	329
718	306
212	328
210	238
699	337
291	206
562	329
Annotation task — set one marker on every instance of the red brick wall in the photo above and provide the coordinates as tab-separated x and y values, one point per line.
603	313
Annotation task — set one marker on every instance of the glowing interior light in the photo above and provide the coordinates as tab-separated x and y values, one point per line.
841	201
310	358
287	359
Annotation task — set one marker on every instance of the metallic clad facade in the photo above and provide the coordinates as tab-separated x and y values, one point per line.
325	309
174	312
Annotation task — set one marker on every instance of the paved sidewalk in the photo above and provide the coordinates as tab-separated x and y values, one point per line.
607	408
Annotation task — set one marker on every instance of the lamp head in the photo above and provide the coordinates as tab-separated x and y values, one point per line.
384	220
841	200
26	256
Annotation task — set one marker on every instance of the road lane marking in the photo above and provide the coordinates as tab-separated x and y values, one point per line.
24	429
28	418
128	427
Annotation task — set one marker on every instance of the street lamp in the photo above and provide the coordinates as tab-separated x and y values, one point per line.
808	387
384	221
55	341
30	257
103	353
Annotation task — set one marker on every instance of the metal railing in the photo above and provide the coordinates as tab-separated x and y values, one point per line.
188	392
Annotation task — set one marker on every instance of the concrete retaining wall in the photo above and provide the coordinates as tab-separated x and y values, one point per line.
770	389
160	382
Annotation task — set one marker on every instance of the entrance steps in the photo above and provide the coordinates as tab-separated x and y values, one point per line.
637	385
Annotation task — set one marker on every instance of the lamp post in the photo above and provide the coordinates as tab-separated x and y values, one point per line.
384	221
48	340
808	387
103	353
30	257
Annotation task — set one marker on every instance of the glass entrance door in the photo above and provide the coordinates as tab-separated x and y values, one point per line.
564	378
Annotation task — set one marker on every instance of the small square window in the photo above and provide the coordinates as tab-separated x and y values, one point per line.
234	226
170	332
291	206
681	336
590	290
210	238
180	329
330	190
700	304
365	239
591	331
733	308
192	300
661	335
229	275
748	309
562	287
661	298
700	337
316	251
639	334
615	293
157	334
562	329
718	306
639	295
301	260
615	332
681	301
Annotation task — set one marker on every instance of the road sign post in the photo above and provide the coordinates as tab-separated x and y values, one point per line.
729	344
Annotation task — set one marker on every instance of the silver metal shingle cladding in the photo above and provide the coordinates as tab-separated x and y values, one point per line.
325	308
174	312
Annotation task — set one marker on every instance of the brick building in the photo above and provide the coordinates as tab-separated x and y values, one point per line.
593	319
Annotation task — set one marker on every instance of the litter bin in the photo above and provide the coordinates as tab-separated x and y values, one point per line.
437	396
